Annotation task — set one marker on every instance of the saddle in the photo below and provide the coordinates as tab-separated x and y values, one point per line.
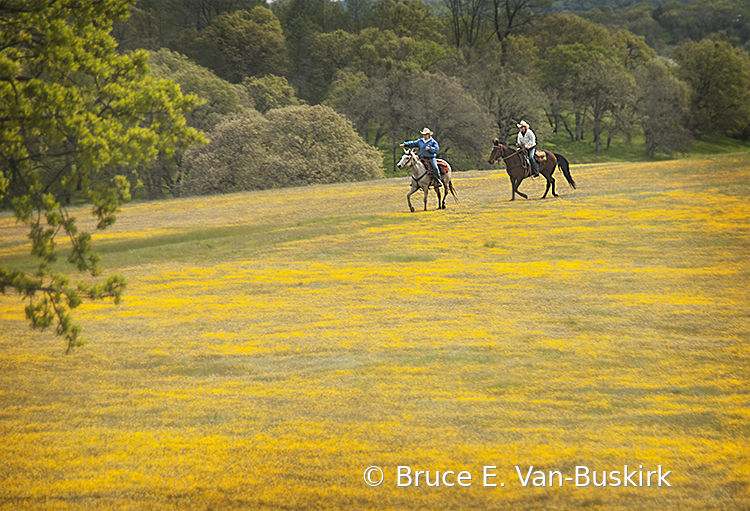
442	165
526	162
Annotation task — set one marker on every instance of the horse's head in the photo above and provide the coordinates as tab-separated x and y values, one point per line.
407	159
499	150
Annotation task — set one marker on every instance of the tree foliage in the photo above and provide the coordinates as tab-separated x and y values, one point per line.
298	145
241	44
468	20
605	88
567	29
360	15
667	24
586	72
156	24
699	19
270	92
70	108
409	18
663	108
326	39
400	103
560	77
218	98
719	76
636	19
511	16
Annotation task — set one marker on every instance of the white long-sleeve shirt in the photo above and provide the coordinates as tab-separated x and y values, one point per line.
529	140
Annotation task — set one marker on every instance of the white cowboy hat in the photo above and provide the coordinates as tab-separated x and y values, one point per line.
522	123
426	131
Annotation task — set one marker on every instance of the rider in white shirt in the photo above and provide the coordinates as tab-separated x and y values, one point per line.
527	140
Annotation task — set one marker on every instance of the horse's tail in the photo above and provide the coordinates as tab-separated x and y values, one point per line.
453	190
450	183
562	162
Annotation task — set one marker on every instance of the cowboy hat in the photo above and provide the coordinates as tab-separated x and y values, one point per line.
425	131
522	123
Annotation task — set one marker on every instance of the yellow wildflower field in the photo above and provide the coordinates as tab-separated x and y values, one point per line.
273	346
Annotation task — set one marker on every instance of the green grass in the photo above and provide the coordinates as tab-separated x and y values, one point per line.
580	152
208	244
622	151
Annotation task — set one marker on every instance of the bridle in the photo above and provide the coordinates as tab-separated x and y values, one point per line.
412	161
504	158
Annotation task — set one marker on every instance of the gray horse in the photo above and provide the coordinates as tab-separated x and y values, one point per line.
421	178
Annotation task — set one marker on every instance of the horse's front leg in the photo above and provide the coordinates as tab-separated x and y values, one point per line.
414	188
519	192
426	193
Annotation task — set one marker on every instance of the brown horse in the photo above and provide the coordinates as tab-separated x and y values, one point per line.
518	171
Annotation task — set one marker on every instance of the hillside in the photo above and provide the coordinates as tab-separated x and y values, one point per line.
272	345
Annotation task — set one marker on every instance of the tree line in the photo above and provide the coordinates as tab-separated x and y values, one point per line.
672	71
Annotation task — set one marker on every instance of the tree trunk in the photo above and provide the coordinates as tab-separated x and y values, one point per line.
552	120
597	135
395	145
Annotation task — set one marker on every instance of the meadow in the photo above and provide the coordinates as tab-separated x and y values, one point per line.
273	345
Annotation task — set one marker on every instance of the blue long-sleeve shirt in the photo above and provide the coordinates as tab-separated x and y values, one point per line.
427	148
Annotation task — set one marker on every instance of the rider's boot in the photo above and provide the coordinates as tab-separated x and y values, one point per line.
436	177
535	169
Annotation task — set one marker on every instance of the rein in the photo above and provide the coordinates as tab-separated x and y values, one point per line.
416	180
514	153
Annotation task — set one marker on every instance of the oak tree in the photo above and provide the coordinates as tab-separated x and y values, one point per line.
662	108
719	77
292	146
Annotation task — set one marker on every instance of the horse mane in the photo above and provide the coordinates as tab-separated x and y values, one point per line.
500	144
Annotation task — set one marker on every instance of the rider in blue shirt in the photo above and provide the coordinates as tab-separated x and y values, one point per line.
428	148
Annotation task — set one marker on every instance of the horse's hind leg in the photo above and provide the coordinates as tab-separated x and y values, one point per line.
426	192
550	183
437	191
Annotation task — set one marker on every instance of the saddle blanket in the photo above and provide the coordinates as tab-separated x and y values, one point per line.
441	164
